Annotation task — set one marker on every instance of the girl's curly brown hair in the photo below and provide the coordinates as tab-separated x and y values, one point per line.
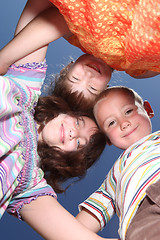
60	165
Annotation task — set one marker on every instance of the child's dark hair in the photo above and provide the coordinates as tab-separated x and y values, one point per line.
59	165
75	100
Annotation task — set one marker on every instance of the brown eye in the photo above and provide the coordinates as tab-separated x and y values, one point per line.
129	111
111	124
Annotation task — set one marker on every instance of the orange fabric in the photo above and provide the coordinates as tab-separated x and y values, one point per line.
124	33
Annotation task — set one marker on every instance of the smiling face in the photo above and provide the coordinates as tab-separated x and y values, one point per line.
123	119
89	75
67	132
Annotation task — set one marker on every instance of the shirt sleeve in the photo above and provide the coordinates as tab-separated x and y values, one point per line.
102	202
25	197
31	75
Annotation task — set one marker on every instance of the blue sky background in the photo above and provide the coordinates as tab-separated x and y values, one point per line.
59	53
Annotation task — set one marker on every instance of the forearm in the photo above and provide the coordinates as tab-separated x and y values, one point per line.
53	222
89	220
31	10
37	34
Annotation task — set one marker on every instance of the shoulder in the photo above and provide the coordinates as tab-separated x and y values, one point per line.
30	74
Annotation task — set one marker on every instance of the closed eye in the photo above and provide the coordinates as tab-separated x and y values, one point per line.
77	79
92	90
73	79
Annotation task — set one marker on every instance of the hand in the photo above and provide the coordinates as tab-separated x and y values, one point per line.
3	69
4	61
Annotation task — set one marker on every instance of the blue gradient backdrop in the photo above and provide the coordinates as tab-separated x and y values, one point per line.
59	53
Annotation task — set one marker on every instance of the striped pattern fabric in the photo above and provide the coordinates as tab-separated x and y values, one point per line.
125	185
21	180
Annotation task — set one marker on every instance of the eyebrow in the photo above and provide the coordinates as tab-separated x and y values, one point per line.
82	119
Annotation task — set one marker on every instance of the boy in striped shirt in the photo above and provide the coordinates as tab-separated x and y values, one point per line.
131	188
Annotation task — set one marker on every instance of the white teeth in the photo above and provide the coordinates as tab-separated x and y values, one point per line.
94	67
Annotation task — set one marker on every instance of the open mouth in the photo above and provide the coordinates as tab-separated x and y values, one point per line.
94	66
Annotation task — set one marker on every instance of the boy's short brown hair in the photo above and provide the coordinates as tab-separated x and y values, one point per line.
129	91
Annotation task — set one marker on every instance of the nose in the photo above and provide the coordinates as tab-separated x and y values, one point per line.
125	124
89	73
86	78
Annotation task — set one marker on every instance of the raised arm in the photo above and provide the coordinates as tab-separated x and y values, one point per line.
30	44
53	222
31	10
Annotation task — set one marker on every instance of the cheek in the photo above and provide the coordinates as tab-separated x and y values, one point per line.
101	84
147	125
142	119
46	138
113	136
49	139
49	135
69	145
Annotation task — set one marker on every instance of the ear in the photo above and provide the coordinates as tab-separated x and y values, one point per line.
148	109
